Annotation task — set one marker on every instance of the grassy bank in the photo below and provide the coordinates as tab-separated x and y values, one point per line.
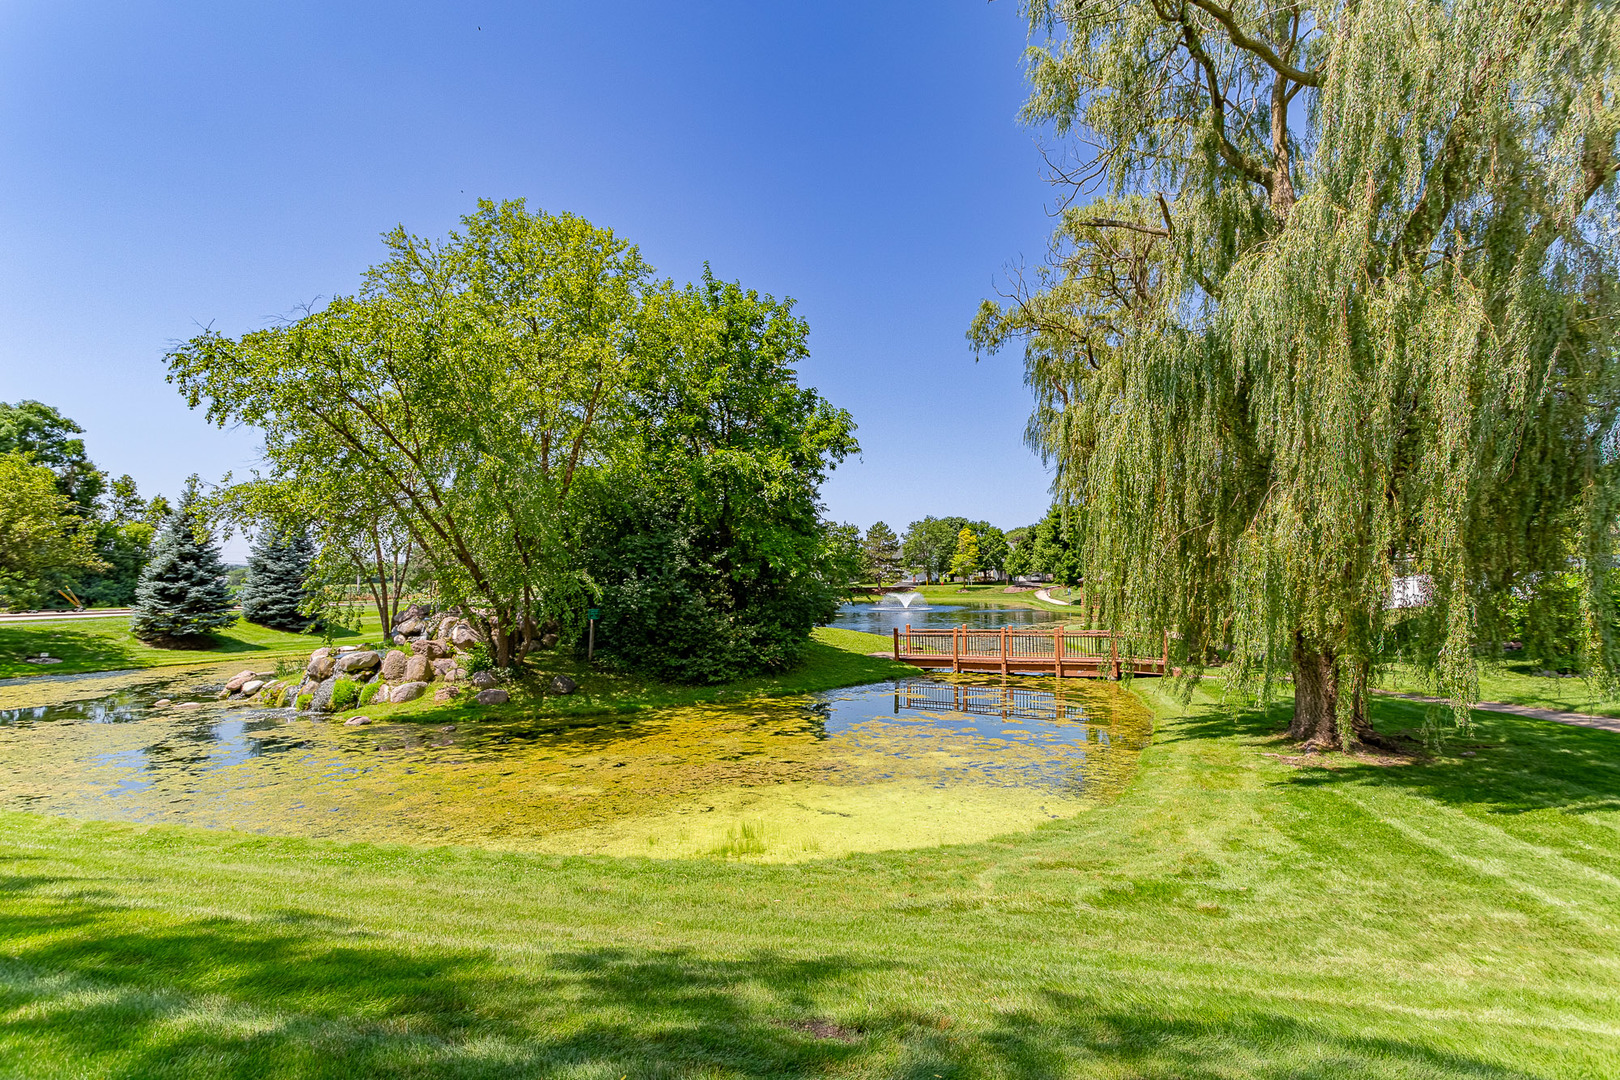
986	595
835	658
107	645
1236	914
1518	684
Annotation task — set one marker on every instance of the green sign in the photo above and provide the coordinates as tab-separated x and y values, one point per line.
591	614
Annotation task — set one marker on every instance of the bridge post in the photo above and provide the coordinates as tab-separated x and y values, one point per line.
1113	653
956	649
1164	668
1003	652
1057	650
896	630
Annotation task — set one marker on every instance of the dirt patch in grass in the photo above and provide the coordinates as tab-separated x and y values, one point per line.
825	1029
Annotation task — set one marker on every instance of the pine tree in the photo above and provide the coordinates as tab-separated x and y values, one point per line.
182	597
881	550
275	593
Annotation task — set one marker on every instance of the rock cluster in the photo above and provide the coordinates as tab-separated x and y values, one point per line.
429	648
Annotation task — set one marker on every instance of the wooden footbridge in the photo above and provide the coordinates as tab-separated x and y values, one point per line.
1067	654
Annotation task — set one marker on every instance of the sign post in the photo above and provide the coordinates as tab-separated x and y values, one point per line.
590	640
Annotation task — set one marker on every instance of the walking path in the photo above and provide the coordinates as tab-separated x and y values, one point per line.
45	616
1605	723
1046	595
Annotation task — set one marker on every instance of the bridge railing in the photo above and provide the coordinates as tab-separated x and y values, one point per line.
1092	653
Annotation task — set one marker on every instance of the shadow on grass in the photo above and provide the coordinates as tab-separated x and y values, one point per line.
1510	763
107	645
91	989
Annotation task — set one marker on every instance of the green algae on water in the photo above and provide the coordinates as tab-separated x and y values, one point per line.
893	765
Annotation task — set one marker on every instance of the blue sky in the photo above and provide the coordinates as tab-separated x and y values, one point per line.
169	165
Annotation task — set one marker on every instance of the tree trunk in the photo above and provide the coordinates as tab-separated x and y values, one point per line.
1316	695
1316	699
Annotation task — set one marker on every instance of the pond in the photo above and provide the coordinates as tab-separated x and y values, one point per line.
875	619
896	764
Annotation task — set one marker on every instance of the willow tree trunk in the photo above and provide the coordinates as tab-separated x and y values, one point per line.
1317	688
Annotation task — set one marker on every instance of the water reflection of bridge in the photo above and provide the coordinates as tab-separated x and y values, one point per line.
1007	702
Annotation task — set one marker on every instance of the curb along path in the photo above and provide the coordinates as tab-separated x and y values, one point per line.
1605	723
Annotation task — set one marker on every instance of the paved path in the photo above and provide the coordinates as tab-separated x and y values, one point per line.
51	616
1046	595
1606	723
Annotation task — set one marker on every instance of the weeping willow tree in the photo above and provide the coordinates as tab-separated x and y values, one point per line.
1331	304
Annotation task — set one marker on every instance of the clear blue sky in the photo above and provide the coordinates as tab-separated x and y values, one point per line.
168	165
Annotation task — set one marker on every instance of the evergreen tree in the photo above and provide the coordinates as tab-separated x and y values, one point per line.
275	593
182	595
881	551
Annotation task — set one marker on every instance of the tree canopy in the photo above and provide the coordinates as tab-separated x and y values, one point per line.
39	530
1331	304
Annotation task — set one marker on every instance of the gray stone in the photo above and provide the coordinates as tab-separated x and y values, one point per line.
430	648
407	692
189	705
401	639
347	649
162	703
562	684
445	669
418	669
484	679
239	680
320	667
446	693
356	721
252	686
223	694
324	650
381	696
350	663
393	665
492	697
463	636
549	641
410	627
446	626
321	701
414	611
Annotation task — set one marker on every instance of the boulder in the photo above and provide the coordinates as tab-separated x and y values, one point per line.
381	696
252	686
429	648
492	697
446	626
351	663
459	675
446	693
410	627
393	665
320	667
562	684
413	611
463	636
162	703
223	694
484	679
321	699
401	639
324	650
549	641
189	705
356	721
347	649
419	669
445	669
407	692
239	680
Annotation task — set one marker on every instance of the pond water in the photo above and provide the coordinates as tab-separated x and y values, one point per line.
894	764
873	619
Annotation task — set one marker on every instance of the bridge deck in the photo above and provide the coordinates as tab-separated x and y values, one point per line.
1085	654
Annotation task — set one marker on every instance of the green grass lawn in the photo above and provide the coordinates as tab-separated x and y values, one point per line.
1235	914
1518	684
107	645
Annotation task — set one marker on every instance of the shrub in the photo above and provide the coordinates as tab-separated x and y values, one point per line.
367	692
304	700
479	658
345	692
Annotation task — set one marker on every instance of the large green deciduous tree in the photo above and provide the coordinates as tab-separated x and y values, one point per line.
1339	310
39	531
466	385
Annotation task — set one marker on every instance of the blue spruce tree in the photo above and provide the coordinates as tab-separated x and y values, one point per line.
275	594
181	597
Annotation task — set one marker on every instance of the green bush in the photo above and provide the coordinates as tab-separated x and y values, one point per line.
367	692
479	658
278	699
304	700
345	692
